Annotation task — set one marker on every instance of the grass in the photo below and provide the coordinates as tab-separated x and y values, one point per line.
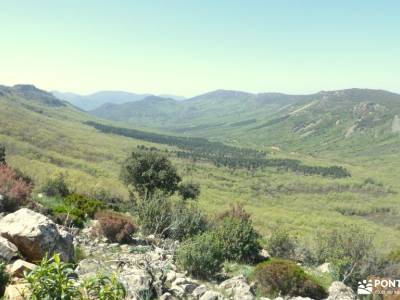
44	143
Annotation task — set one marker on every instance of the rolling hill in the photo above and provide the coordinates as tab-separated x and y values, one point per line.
44	136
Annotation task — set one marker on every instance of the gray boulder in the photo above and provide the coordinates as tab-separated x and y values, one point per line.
212	295
8	250
35	235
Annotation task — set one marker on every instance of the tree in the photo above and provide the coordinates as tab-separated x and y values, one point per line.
189	190
2	155
148	172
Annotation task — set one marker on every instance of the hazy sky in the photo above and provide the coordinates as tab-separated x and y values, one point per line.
186	47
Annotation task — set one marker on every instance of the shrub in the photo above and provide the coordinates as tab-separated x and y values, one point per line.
186	221
283	277
4	278
103	288
348	250
115	227
239	240
87	205
281	244
56	187
201	256
155	215
14	191
189	190
2	155
53	279
68	216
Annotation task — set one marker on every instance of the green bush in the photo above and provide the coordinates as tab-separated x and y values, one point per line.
53	279
87	205
4	278
56	187
284	277
201	256
239	239
186	221
116	227
281	244
103	288
189	190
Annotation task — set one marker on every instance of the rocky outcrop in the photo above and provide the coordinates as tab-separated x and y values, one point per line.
8	250
237	288
35	235
339	291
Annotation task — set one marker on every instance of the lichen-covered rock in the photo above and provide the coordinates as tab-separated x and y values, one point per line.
339	291
237	288
35	235
8	250
212	295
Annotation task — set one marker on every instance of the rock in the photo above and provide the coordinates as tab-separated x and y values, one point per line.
137	283
263	255
199	291
264	298
212	295
324	268
339	291
166	296
183	286
8	250
300	298
89	267
17	268
17	291
238	288
35	235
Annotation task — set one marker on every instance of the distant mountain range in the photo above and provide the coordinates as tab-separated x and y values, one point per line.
95	100
321	121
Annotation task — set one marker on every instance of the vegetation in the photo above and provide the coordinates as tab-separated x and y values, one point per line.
238	239
349	250
4	278
56	187
14	190
281	244
189	190
102	287
149	172
2	154
116	227
53	279
283	277
201	256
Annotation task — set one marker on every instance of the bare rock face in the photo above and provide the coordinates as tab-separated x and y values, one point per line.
17	291
8	250
339	291
35	235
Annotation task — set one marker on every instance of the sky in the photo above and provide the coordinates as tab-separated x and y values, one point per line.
188	47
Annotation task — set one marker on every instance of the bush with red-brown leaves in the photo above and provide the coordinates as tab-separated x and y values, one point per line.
116	227
15	191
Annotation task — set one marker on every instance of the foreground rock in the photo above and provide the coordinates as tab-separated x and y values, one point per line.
8	250
17	291
339	291
19	267
35	235
237	288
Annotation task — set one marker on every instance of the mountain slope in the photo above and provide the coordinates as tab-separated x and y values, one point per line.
324	121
